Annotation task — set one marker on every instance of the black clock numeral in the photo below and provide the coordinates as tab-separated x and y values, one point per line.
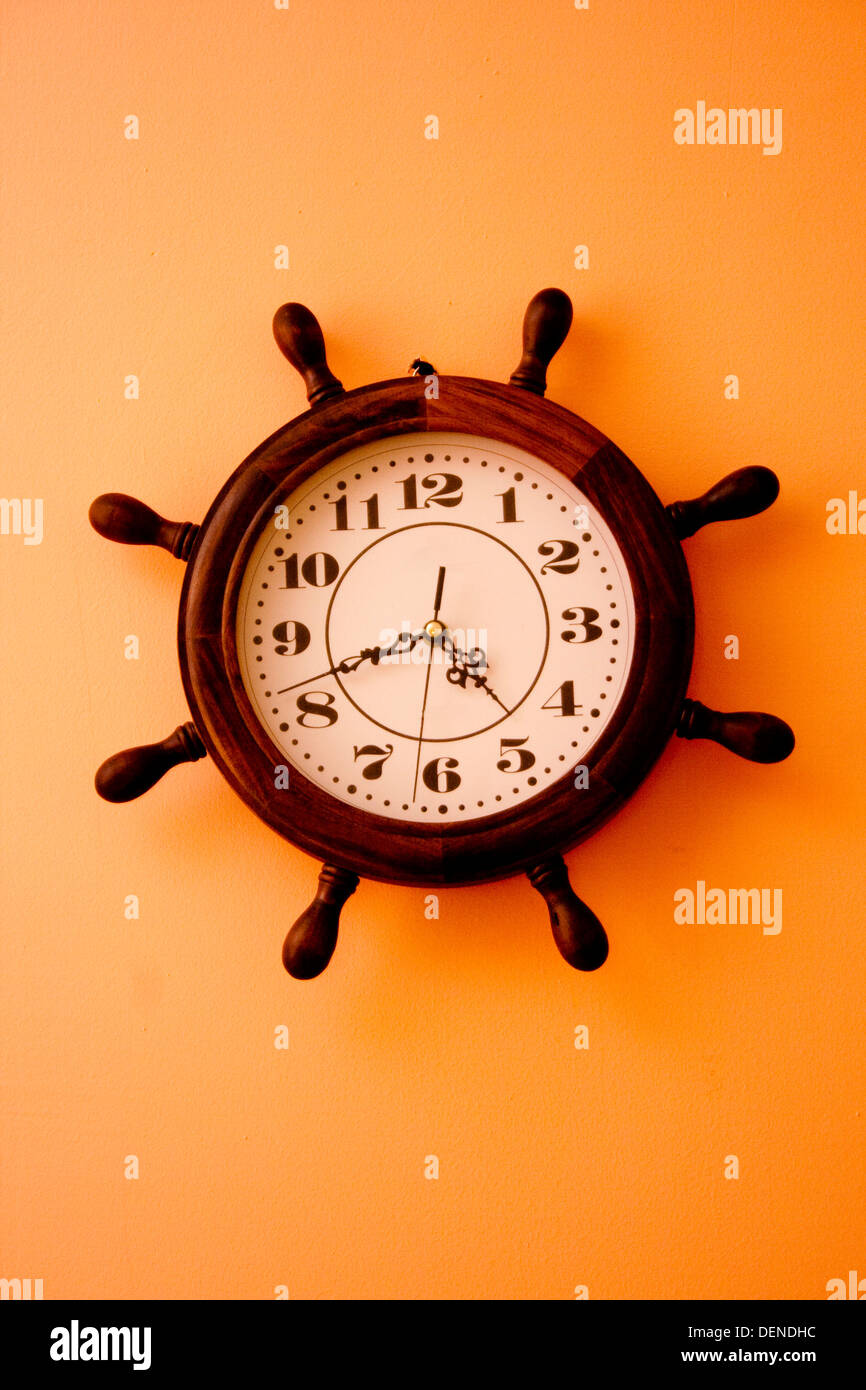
444	497
311	710
318	569
439	777
513	747
373	770
509	505
410	493
586	622
291	638
372	505
565	704
341	511
566	562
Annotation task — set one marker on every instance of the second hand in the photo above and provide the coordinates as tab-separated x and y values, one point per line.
421	730
437	604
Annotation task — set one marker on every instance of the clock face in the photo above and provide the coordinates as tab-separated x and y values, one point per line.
435	628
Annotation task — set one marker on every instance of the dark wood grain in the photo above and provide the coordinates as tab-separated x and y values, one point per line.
744	493
310	944
300	340
119	517
759	738
580	938
129	774
545	329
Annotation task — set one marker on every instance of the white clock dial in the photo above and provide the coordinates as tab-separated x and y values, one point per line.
435	627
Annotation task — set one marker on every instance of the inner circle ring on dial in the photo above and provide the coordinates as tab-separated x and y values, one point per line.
457	526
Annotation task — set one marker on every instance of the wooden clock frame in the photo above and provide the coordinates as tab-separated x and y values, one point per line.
532	837
507	842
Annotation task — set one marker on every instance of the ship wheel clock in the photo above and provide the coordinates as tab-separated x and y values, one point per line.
436	631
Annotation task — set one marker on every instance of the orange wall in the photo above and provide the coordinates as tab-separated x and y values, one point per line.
304	1167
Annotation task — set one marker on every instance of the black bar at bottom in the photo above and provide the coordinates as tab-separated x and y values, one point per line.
57	1340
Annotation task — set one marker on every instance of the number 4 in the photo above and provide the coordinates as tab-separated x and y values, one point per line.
565	704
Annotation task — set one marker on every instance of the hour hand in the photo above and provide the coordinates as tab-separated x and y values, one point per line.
404	642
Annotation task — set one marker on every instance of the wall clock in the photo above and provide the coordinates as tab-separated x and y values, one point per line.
436	631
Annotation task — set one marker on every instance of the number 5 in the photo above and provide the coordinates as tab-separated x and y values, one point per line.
509	746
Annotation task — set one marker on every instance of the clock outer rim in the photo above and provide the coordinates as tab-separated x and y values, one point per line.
510	841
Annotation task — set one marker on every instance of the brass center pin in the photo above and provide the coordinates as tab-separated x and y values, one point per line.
434	628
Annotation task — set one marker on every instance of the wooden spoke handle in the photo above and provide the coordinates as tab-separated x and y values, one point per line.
131	773
118	517
545	328
300	339
578	933
740	494
311	941
762	738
